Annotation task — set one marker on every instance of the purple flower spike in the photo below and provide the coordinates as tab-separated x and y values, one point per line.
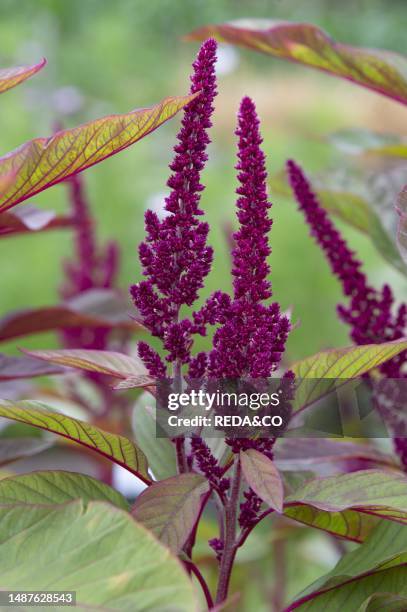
91	269
252	338
175	257
370	313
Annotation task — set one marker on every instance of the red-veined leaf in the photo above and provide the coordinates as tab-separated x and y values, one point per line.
10	77
379	562
263	477
336	366
117	365
135	382
56	487
349	505
304	43
171	507
43	162
92	308
96	550
12	368
117	448
30	219
313	454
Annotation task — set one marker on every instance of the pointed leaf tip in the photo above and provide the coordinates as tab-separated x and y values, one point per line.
44	162
10	77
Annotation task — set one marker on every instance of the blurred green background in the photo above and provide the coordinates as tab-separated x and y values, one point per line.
106	57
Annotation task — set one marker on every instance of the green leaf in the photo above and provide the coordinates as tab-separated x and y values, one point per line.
384	602
351	595
348	524
336	366
13	449
358	141
43	162
159	451
10	77
364	199
349	505
304	43
170	508
384	551
99	551
117	448
376	491
92	308
117	365
56	487
263	477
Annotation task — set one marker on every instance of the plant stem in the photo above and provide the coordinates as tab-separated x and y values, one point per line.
192	568
278	593
230	546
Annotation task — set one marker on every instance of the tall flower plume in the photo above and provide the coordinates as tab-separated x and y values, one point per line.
370	313
252	338
175	257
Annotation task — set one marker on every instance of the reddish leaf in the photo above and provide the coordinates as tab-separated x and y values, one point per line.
171	507
335	367
349	505
263	477
309	453
117	365
380	563
10	77
93	308
118	449
12	368
304	43
135	382
30	219
43	162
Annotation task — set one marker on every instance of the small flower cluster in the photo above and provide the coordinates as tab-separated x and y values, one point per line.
370	313
208	465
249	509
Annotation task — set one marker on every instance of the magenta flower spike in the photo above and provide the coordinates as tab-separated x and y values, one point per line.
175	257
370	313
91	268
252	338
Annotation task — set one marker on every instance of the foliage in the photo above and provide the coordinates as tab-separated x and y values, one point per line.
144	553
